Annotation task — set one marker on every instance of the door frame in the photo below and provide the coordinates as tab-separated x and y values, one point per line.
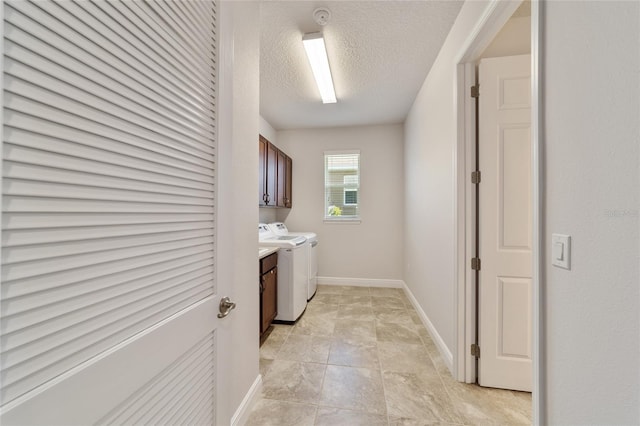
490	23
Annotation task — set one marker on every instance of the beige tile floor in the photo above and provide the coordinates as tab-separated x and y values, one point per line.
361	356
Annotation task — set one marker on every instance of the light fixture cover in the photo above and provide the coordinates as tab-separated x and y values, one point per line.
317	54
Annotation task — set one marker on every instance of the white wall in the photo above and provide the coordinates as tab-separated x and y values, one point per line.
237	239
267	130
373	248
513	39
592	139
430	138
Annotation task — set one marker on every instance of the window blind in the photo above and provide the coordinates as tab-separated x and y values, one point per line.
341	185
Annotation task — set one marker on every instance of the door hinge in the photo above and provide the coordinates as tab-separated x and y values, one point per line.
475	91
475	177
475	350
475	263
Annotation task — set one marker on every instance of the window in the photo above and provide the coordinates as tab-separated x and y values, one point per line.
341	185
350	190
350	197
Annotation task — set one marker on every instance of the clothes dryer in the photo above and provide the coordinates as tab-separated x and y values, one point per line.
280	228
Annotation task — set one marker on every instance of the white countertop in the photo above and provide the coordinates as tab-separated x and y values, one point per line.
266	251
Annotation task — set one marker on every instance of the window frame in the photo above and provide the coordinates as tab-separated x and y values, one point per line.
344	196
345	187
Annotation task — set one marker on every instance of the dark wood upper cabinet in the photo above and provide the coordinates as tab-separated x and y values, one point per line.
274	176
282	163
288	178
262	171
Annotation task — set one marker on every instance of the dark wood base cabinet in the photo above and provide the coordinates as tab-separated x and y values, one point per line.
268	291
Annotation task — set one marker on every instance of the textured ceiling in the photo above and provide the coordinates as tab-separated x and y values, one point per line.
379	52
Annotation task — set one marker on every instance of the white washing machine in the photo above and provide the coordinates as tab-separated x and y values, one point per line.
280	228
292	272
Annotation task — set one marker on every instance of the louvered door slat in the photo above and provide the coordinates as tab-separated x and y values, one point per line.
176	15
73	248
19	156
83	119
183	46
49	332
166	388
113	44
46	318
54	190
191	403
31	237
161	14
198	18
172	61
36	282
23	64
136	29
76	103
35	268
118	65
58	66
20	204
78	295
28	172
108	200
35	220
188	389
61	81
154	14
91	146
140	407
52	49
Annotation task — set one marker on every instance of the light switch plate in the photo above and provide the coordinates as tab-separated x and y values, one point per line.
561	251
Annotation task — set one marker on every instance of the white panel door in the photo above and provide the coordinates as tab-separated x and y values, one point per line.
109	302
505	228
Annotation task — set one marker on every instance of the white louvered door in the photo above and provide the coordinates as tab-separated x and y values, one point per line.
108	299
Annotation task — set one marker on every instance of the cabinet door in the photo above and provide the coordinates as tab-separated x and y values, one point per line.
262	172
280	190
269	299
288	178
271	166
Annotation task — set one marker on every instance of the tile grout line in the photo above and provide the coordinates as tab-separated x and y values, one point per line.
324	374
384	389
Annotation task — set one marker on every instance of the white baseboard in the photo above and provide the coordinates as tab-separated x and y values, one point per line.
241	415
446	354
361	282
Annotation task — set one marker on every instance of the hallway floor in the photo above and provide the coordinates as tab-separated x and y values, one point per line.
361	356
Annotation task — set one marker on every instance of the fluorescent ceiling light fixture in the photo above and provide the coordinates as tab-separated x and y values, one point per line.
317	54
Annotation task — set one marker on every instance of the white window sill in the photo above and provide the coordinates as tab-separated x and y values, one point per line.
343	220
